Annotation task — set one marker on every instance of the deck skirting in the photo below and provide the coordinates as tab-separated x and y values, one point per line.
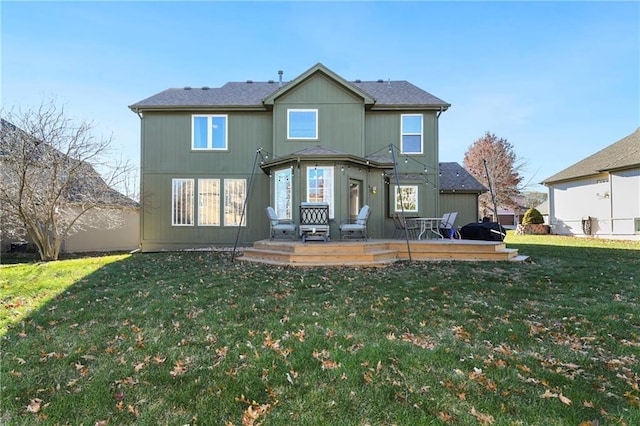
375	253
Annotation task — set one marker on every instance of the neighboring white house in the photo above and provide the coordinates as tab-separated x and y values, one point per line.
600	195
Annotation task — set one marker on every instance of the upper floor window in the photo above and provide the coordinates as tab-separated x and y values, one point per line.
302	124
209	132
411	134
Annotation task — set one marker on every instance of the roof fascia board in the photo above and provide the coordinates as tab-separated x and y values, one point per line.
319	68
209	108
412	107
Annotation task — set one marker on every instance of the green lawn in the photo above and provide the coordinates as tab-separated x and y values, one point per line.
192	338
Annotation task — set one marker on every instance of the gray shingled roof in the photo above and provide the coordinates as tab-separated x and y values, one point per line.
398	93
251	94
621	155
454	177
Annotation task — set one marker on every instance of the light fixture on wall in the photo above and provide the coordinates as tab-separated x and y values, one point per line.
373	189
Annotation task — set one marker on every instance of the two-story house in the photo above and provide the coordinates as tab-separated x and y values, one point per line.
317	138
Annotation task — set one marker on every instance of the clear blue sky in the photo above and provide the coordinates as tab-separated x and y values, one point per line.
558	80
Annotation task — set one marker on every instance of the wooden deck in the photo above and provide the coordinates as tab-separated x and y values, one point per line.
374	253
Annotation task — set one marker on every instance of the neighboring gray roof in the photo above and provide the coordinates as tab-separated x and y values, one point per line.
252	94
454	177
621	155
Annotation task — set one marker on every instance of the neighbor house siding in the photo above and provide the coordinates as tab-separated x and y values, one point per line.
124	238
625	201
574	200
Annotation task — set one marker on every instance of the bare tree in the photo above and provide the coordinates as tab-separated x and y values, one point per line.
504	171
532	199
50	188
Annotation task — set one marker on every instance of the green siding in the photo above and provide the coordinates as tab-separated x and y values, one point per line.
340	117
167	154
465	204
343	124
383	129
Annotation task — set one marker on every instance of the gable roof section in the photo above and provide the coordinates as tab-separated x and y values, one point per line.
258	95
319	69
621	155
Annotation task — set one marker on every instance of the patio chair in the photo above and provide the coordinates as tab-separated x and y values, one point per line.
358	228
400	222
447	225
279	227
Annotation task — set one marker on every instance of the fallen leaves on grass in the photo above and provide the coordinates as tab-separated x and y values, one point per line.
485	419
253	411
35	405
178	369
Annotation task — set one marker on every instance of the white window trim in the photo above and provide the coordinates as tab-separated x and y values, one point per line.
331	190
289	111
396	195
210	147
421	134
173	202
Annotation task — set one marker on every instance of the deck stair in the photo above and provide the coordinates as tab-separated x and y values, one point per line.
374	253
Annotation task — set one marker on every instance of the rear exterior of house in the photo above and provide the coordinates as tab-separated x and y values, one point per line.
317	138
600	195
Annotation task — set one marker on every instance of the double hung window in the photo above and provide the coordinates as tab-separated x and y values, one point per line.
411	134
209	132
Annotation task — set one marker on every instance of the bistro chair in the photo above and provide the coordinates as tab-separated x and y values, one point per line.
400	223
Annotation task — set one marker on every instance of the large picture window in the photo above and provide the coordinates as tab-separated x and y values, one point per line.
406	196
235	191
209	202
283	194
209	132
411	134
320	186
182	202
302	124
